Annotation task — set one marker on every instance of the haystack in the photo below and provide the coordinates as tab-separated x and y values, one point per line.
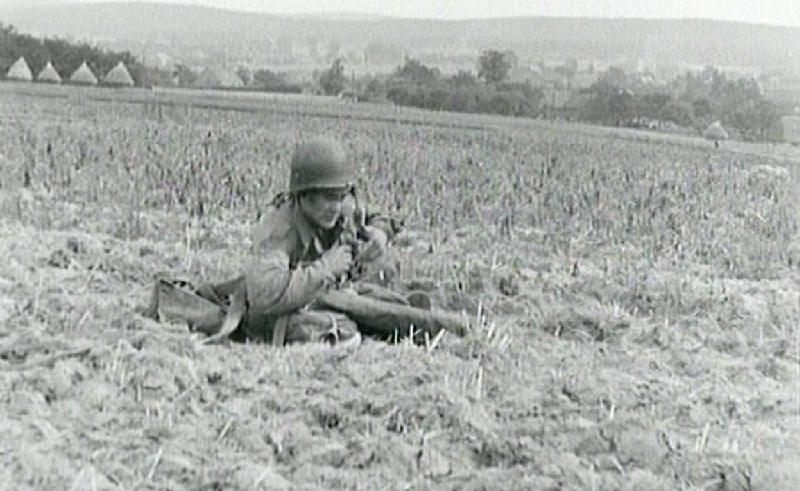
119	76
212	78
715	132
83	75
20	71
49	74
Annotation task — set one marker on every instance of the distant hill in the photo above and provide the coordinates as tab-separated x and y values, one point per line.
698	42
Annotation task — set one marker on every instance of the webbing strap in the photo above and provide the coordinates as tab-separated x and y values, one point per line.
279	331
233	317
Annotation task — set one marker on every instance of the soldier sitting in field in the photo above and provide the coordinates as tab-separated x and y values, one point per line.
305	244
310	241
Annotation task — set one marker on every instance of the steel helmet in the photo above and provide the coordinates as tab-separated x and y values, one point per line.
320	163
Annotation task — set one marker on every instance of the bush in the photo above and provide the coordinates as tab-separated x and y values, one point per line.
507	100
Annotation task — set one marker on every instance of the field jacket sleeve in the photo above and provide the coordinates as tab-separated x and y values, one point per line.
276	288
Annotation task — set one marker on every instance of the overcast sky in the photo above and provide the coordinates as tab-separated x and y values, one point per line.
783	12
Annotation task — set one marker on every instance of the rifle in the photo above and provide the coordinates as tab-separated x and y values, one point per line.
379	316
384	319
354	233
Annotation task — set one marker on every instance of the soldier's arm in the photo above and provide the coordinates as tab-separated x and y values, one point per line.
275	289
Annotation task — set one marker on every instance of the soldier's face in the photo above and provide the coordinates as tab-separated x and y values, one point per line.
323	207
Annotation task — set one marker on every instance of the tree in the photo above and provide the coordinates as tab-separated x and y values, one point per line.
702	108
464	99
333	79
245	74
267	79
463	78
416	72
493	66
677	111
511	58
183	75
765	117
609	103
754	116
374	90
651	105
738	103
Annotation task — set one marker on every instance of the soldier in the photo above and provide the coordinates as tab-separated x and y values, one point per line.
308	241
304	245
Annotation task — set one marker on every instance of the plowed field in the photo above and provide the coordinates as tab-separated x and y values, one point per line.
634	303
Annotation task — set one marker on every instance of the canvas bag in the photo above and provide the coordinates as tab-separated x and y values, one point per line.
217	311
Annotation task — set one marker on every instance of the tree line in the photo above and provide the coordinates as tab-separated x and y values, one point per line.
615	98
693	100
418	85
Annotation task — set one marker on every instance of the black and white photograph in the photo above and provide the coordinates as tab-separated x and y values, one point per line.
400	245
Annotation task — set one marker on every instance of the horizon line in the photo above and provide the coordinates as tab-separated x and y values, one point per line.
381	16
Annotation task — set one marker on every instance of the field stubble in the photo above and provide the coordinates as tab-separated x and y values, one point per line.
635	309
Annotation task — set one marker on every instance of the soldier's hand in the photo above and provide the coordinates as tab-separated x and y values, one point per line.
375	246
338	260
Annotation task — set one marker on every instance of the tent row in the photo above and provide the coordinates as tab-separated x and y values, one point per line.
119	75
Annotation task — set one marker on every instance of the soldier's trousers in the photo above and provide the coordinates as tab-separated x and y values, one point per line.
314	324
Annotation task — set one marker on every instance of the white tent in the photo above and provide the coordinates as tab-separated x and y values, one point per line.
715	131
20	71
119	76
49	74
83	75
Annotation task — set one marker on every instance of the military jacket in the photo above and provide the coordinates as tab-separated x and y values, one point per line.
286	274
